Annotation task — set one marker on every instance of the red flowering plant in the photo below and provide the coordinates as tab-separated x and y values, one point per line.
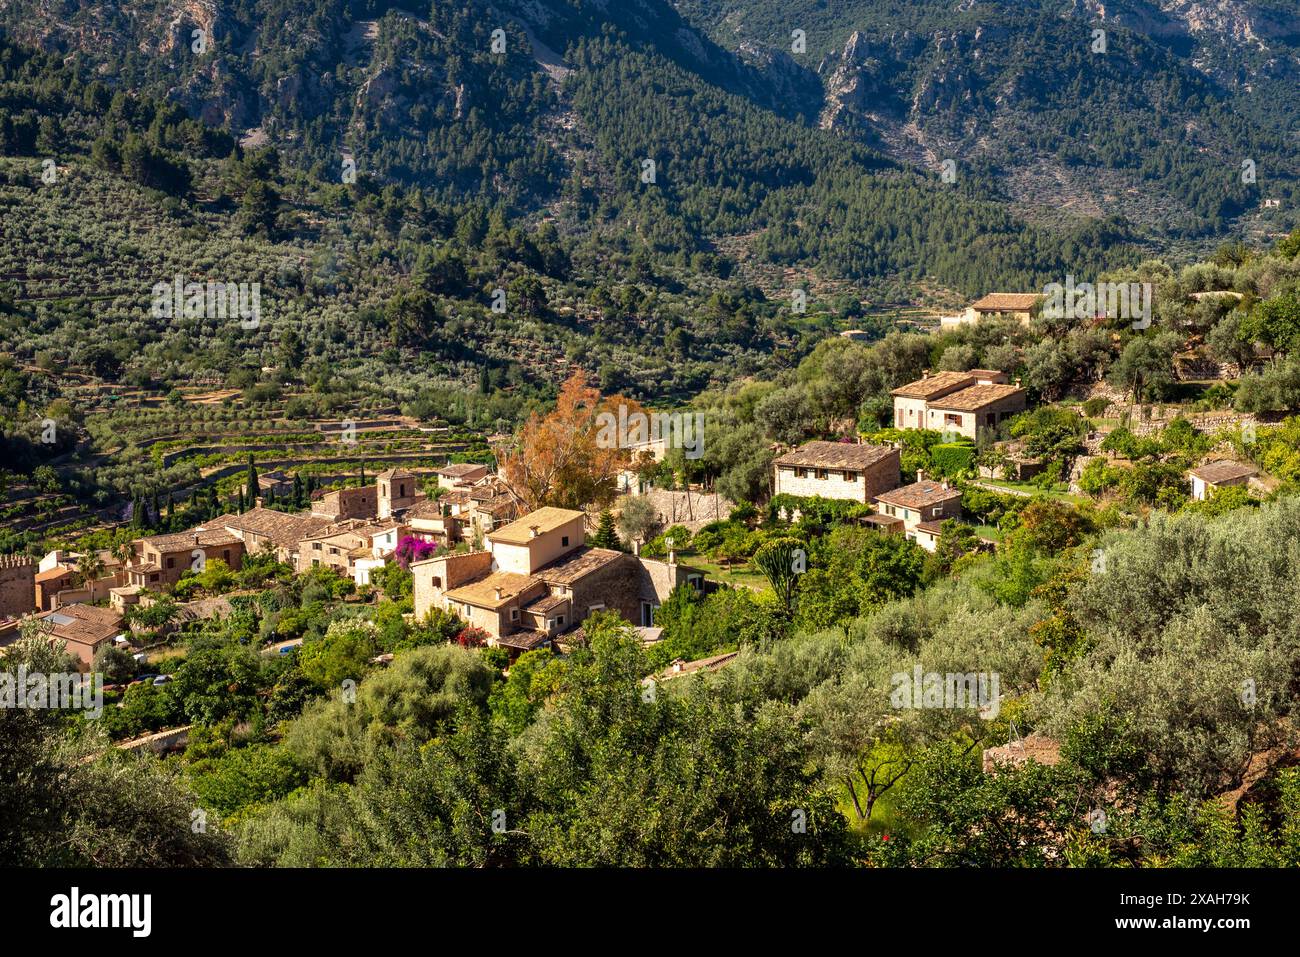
472	637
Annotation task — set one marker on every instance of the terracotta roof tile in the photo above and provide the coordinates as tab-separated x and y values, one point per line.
457	469
546	604
1006	302
1225	471
975	397
933	386
919	495
283	528
426	508
837	455
483	592
207	536
83	624
578	565
525	640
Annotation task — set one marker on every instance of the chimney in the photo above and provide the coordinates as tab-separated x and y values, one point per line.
1017	382
925	373
636	547
532	531
498	593
920	475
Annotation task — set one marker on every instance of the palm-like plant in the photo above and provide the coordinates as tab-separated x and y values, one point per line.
90	567
123	552
782	560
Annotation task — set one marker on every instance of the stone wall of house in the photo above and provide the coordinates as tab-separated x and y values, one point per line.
17	586
863	487
173	564
909	413
324	553
485	618
346	503
617	586
969	424
657	579
834	485
450	571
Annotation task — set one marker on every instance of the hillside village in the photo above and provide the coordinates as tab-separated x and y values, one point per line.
643	438
825	510
527	579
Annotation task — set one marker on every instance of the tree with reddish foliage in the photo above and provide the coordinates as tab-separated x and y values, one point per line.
565	458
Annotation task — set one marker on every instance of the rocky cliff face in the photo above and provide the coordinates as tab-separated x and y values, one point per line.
1235	21
998	93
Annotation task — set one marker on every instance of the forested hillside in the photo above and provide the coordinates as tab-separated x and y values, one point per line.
474	172
1150	120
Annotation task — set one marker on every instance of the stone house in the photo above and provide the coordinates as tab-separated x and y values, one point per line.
51	583
160	560
57	581
353	548
838	470
431	520
923	502
83	629
996	305
1216	475
964	403
481	506
263	528
276	483
343	503
538	579
460	473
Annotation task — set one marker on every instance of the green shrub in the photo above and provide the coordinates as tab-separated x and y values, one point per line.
953	458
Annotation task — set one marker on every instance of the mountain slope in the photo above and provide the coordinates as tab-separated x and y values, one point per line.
426	101
1154	128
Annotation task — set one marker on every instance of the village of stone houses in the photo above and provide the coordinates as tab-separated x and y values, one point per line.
636	442
932	553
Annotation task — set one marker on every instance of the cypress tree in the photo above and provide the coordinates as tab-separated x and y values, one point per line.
252	481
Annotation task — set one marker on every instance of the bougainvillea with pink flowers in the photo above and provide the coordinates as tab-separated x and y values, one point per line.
411	549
